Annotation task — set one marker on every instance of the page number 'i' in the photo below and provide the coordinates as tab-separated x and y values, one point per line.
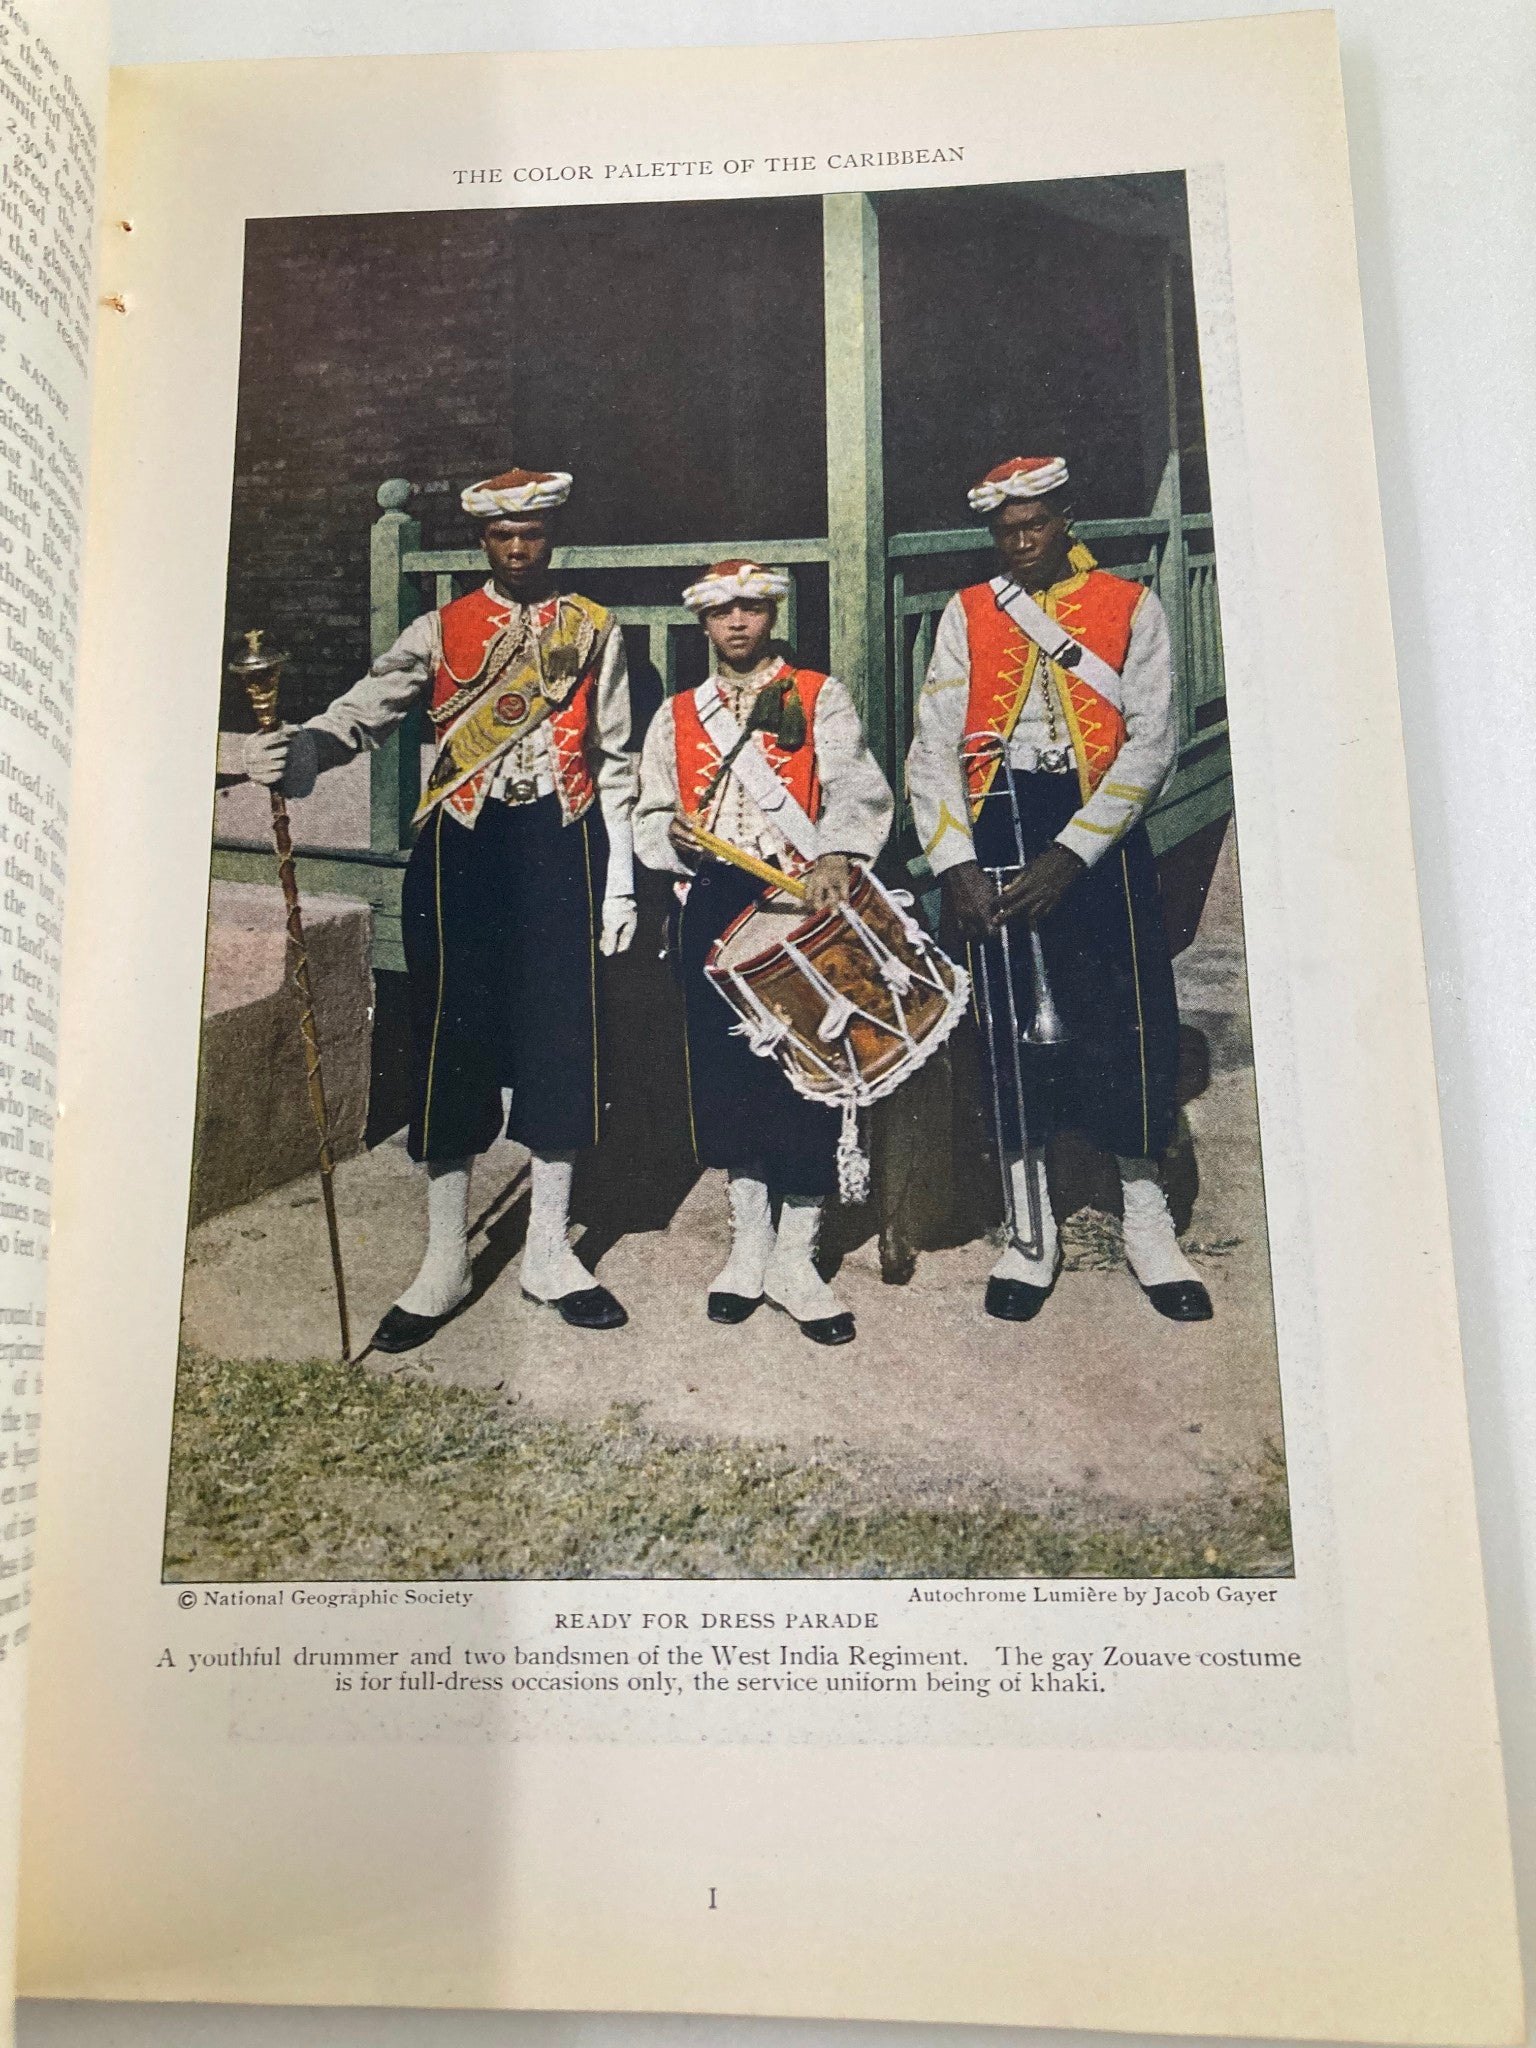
712	1906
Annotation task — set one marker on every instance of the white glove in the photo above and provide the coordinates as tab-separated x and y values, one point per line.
619	920
287	759
266	755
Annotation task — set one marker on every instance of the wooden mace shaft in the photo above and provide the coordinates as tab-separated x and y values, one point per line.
313	1076
260	675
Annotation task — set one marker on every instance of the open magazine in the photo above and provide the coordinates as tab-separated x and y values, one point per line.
750	1308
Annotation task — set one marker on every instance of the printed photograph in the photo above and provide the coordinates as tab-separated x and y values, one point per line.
725	1043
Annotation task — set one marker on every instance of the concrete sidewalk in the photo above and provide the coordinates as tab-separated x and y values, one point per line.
1097	1397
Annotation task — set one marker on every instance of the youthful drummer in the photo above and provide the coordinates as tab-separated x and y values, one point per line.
820	802
1050	696
521	873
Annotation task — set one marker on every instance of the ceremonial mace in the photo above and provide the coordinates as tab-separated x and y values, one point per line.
259	672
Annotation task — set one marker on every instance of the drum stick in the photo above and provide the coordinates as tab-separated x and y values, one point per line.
749	863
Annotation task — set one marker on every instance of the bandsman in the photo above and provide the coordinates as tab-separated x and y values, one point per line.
1045	729
521	873
771	758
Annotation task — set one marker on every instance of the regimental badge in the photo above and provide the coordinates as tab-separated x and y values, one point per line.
511	709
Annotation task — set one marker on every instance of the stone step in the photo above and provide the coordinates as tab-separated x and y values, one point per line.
254	1126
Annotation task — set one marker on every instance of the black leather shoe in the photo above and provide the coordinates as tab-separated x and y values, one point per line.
589	1308
837	1329
1015	1301
1181	1301
402	1331
1020	1301
732	1308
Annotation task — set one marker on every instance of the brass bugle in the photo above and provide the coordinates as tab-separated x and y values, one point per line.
999	1010
1045	1027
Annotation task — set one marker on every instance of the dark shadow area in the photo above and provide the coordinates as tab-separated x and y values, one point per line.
400	345
1062	348
1184	877
643	1166
389	1080
505	1229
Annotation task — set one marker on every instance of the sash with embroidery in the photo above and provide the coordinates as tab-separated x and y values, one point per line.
522	680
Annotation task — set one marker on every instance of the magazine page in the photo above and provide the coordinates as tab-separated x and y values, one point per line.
53	80
787	1278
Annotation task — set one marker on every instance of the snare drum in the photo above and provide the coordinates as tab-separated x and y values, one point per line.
850	1001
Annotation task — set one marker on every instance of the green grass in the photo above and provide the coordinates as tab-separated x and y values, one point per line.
320	1471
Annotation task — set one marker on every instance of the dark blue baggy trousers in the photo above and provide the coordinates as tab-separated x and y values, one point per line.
1106	956
742	1107
500	926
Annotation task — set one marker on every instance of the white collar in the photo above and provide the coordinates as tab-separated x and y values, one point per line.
757	679
507	604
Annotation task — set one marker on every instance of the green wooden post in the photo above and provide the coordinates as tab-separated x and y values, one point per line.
901	674
855	458
658	634
1173	571
394	786
786	620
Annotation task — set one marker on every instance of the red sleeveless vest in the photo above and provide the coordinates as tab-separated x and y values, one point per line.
1094	607
698	758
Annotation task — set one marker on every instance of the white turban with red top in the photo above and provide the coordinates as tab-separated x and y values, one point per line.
516	491
728	581
1026	476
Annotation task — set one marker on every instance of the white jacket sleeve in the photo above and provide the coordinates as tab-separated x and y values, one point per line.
935	772
856	801
1146	761
615	769
657	805
362	718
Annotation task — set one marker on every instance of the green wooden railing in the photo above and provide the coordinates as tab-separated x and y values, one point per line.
407	579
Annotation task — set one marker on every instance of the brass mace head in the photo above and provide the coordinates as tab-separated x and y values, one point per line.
260	673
